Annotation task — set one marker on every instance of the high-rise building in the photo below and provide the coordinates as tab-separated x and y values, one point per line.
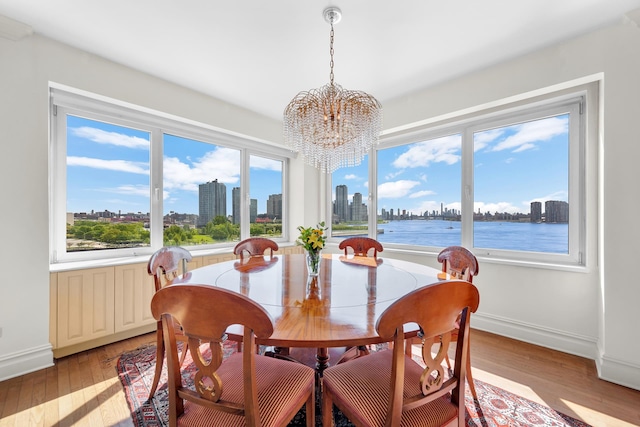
212	201
342	203
253	210
358	209
556	211
235	205
536	212
274	206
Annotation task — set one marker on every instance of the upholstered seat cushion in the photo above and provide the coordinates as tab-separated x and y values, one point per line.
357	388
272	375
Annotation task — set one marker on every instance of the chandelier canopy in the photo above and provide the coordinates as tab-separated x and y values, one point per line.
332	127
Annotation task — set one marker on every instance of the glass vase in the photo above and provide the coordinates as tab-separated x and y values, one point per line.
313	262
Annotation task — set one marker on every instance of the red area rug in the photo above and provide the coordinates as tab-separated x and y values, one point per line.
496	407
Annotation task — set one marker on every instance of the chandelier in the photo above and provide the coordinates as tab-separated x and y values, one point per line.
332	127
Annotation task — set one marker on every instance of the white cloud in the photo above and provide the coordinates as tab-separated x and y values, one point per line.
558	195
396	189
497	207
482	139
392	175
527	134
422	193
421	154
130	190
110	138
222	164
266	164
113	165
351	176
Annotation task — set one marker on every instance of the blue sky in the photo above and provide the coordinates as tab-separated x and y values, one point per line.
108	168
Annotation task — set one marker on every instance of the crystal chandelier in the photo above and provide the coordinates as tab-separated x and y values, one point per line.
332	127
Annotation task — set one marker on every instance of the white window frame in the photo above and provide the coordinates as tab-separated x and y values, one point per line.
573	100
67	101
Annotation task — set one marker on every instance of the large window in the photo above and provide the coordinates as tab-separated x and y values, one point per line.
350	201
126	182
508	183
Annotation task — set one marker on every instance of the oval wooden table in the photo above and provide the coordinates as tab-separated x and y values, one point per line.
339	308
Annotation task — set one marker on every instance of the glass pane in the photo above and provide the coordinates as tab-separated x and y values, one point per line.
521	180
198	179
350	212
419	193
265	207
108	200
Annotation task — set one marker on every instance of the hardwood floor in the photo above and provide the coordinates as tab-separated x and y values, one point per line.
84	389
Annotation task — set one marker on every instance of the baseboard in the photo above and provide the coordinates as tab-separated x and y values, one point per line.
24	362
619	372
577	345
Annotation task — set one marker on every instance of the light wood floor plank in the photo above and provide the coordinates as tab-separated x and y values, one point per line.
84	389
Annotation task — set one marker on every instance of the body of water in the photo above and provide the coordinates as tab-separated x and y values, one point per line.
519	236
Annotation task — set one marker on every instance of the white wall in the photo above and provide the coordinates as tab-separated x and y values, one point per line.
591	314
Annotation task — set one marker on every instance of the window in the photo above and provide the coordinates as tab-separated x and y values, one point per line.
419	192
350	199
508	183
126	182
265	212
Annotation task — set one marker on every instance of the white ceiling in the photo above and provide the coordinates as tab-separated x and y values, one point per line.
260	54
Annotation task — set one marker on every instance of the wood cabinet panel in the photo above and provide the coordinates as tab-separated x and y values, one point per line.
133	292
85	301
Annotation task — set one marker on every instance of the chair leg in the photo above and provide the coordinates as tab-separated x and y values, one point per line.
311	410
472	386
327	411
159	361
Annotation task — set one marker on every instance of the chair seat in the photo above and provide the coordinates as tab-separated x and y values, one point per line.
275	379
362	386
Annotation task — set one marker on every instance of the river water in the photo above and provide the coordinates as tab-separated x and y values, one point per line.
520	236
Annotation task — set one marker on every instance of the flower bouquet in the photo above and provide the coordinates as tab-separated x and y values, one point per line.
312	239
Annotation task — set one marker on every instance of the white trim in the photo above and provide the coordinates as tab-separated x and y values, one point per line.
579	345
619	372
22	362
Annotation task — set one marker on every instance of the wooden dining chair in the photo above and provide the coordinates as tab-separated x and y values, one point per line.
460	263
244	389
164	265
255	246
392	388
360	246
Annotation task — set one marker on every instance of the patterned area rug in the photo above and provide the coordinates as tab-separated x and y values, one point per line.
496	407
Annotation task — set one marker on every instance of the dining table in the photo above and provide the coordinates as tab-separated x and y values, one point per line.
337	308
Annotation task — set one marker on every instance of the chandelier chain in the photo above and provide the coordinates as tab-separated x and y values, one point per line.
331	55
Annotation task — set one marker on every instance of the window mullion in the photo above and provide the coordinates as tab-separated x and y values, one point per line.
156	224
466	190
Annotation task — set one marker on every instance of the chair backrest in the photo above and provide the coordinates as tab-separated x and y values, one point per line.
459	262
255	246
166	261
205	313
436	309
361	246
